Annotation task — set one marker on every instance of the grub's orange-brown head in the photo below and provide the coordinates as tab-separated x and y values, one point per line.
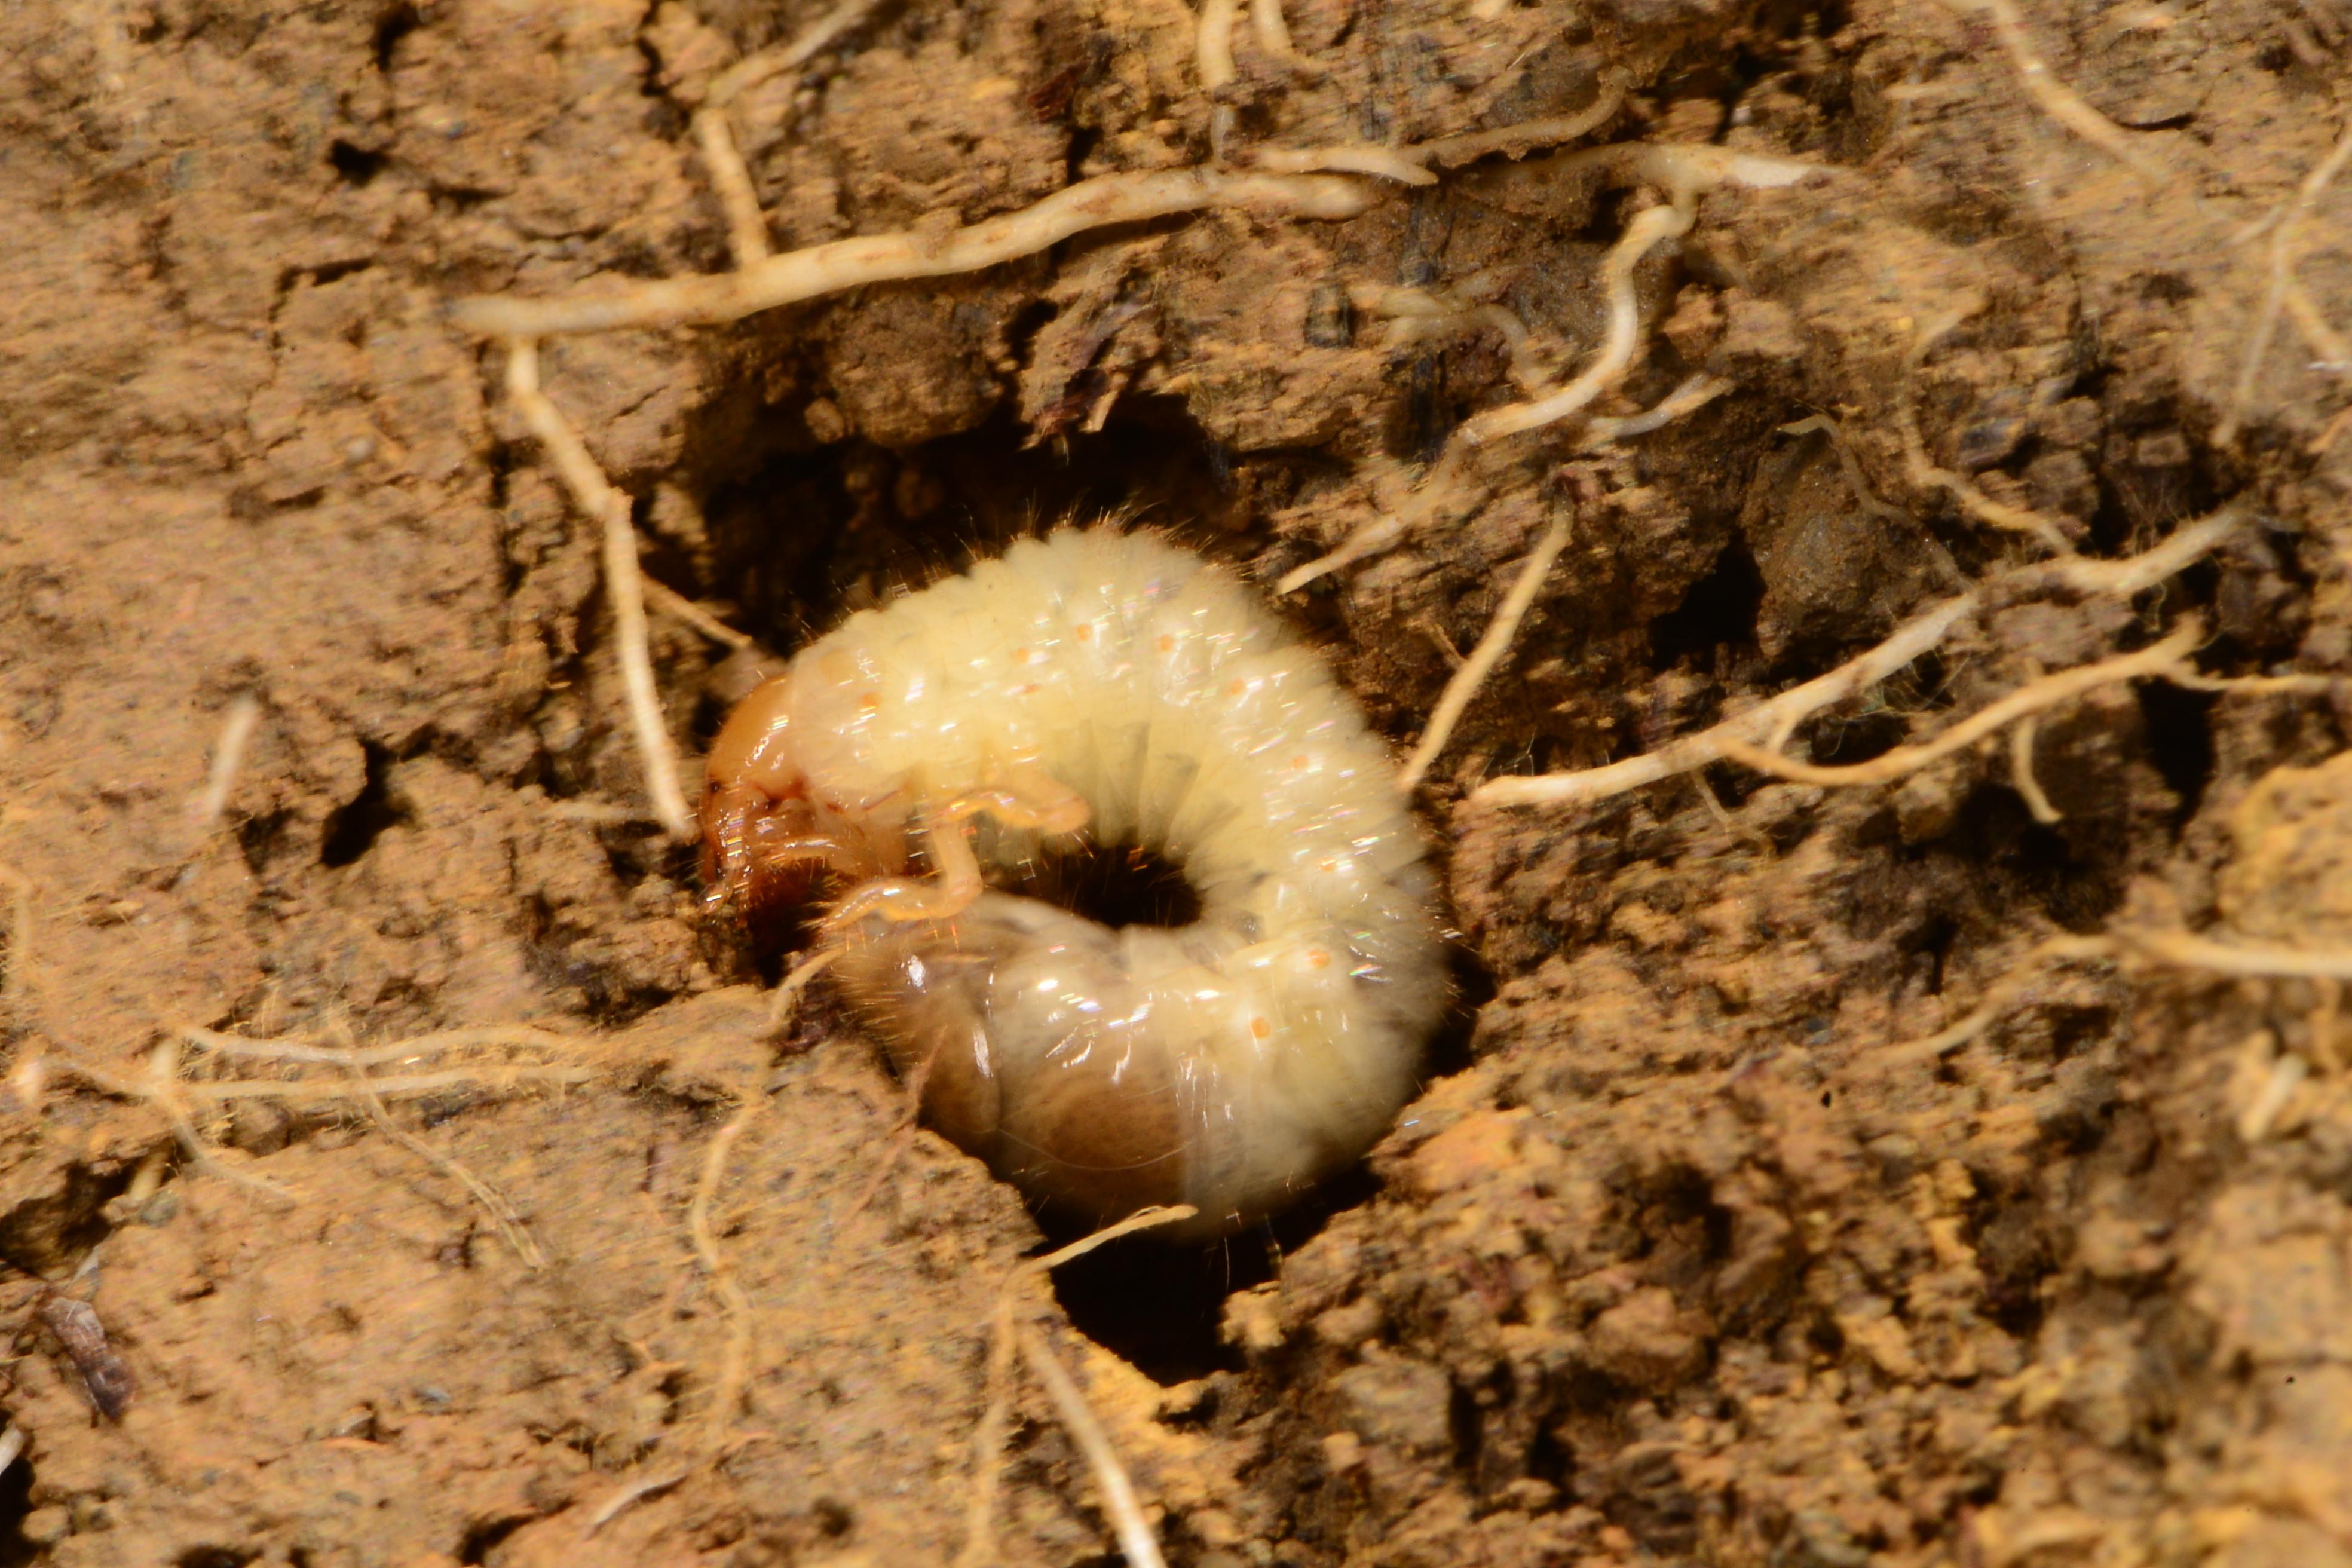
773	847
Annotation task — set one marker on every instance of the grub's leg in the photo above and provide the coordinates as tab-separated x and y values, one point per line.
957	882
728	815
746	836
1025	796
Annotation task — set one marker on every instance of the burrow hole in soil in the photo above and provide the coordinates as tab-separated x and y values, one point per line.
15	1502
801	534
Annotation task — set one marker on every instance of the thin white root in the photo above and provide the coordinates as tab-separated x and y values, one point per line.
1141	1219
622	581
2058	100
665	600
415	1047
1682	169
1928	475
2241	960
787	999
1212	43
512	1226
1686	168
2021	773
988	1436
604	813
747	226
12	1445
1774	720
1492	646
814	39
399	1086
161	1089
173	1095
2283	258
1518	141
2035	696
2132	574
1847	464
1436	486
988	1442
1792	708
1347	158
2285	1075
735	1361
1410	164
628	1496
228	756
1274	35
2333	349
1136	1540
1416	314
1369	540
1651	227
1693	393
2002	995
2172	949
16	956
2258	685
828	268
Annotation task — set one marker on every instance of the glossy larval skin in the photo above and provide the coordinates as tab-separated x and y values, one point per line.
1100	685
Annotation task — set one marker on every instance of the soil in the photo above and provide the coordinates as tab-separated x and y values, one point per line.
1677	1258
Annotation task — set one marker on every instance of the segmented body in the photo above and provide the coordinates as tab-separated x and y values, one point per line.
1109	682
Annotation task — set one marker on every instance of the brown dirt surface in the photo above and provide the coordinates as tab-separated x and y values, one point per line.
1685	1254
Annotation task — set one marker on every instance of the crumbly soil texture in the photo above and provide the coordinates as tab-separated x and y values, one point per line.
1687	1252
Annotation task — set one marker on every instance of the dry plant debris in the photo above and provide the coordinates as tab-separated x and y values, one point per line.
104	1371
1757	736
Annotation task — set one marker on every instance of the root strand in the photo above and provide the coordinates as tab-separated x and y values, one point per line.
622	581
715	299
1775	719
1492	646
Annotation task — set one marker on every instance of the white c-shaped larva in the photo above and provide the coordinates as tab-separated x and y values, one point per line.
1109	681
